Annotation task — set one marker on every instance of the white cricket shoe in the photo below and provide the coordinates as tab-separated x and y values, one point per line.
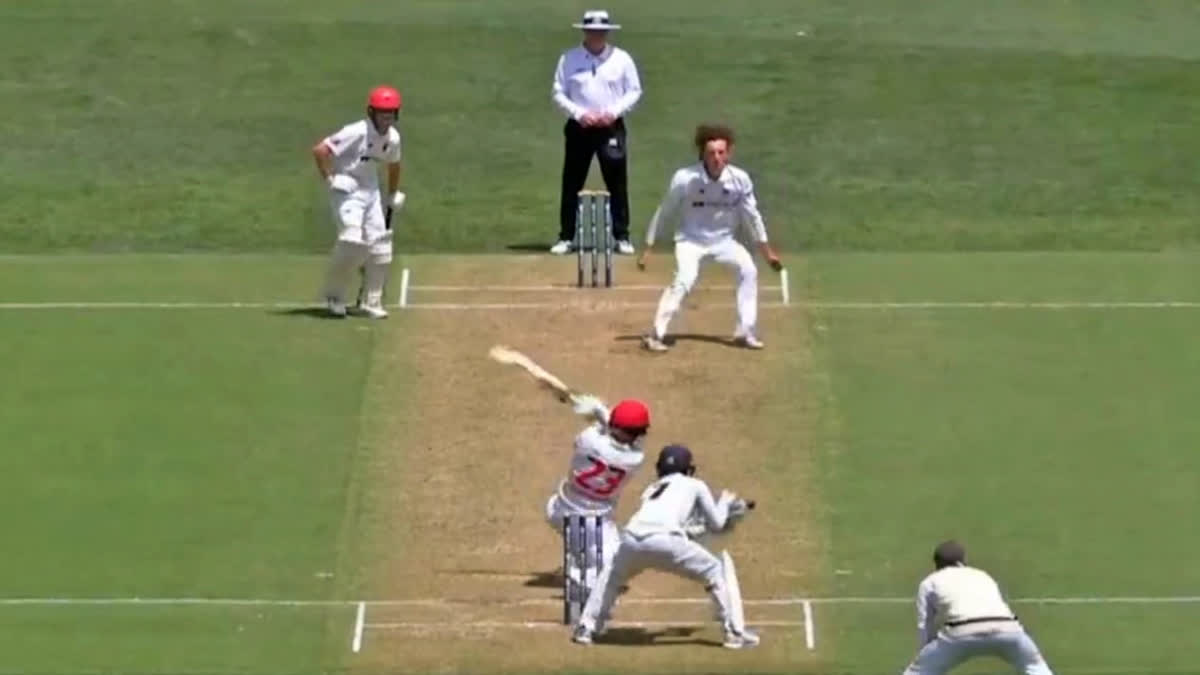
336	307
581	636
748	342
624	247
563	247
740	640
654	343
374	311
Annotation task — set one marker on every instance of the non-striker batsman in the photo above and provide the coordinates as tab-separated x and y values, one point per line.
349	161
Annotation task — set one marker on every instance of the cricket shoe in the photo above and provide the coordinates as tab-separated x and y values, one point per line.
374	311
563	247
748	342
624	247
742	639
581	636
654	343
337	308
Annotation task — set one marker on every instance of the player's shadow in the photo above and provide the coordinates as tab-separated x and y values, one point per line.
529	247
545	580
674	338
314	312
641	637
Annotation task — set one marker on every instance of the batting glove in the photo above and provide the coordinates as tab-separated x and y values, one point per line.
340	182
397	200
586	404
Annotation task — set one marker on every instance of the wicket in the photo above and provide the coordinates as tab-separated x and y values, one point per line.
594	216
583	556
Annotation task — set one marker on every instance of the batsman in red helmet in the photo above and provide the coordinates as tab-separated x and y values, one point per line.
349	162
607	454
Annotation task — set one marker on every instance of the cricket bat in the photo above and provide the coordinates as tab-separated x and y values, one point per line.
503	354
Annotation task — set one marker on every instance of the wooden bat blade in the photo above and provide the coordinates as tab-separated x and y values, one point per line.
503	354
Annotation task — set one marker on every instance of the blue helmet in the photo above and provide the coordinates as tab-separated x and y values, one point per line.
675	458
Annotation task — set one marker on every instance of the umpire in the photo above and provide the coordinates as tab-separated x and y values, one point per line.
595	85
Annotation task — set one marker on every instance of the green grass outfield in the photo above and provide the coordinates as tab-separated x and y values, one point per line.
888	125
178	453
917	162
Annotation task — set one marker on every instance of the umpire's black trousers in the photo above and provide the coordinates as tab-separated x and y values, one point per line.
607	144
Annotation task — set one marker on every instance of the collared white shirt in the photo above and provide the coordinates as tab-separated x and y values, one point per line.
604	82
957	593
358	148
709	210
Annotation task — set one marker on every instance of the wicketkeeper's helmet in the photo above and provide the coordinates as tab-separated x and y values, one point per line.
675	458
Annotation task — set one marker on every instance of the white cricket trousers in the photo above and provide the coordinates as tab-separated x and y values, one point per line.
558	508
672	553
688	257
954	646
363	239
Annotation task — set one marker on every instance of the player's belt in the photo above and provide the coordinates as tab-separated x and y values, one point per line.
979	619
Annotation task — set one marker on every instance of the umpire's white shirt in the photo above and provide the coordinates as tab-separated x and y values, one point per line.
604	82
955	594
709	210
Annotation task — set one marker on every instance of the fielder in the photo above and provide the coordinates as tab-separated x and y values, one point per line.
606	454
712	199
348	162
961	614
656	537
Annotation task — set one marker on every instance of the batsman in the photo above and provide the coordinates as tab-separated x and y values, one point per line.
349	161
607	452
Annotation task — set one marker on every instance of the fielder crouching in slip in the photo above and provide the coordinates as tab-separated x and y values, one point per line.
961	614
607	453
657	537
348	161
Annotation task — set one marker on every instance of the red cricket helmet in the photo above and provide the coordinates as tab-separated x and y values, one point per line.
630	414
384	98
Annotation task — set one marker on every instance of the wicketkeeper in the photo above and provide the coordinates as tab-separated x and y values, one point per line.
348	162
657	537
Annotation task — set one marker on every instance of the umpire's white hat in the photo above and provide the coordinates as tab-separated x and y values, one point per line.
596	19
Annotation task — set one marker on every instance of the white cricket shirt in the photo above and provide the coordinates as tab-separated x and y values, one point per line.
604	82
358	149
708	210
668	503
957	593
600	468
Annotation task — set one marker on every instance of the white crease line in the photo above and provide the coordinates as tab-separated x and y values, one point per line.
568	288
421	625
810	629
514	602
405	275
596	302
360	617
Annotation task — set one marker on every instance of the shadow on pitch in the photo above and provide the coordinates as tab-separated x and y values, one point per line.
641	637
551	579
530	247
673	338
314	312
